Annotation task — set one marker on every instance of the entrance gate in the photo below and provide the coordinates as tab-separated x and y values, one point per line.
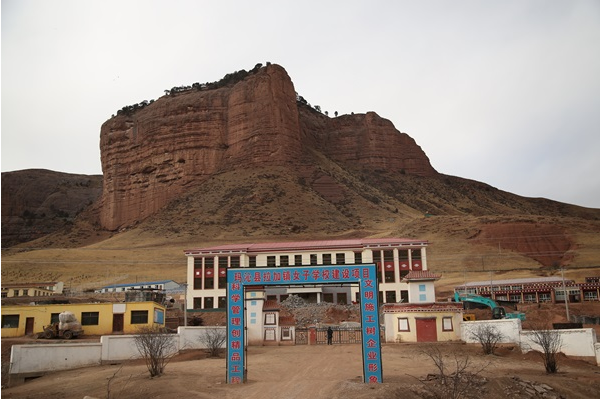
364	275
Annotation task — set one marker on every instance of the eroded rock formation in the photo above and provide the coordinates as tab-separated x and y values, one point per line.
151	155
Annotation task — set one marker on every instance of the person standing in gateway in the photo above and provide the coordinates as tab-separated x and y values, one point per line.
329	335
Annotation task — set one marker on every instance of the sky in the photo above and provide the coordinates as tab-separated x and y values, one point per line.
502	92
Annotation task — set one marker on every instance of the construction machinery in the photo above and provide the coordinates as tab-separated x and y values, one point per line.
68	327
498	312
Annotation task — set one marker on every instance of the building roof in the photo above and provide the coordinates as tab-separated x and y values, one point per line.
28	285
271	304
527	280
422	307
138	284
287	321
356	243
420	275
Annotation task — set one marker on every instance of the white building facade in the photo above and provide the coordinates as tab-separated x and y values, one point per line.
395	258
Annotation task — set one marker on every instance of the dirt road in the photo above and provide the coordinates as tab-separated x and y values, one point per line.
318	372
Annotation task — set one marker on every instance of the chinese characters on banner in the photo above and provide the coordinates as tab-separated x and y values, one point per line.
365	275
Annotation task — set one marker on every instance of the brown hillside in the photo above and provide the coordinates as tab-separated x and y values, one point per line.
37	202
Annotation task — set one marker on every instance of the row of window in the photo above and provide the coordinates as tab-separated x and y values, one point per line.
25	292
87	318
297	259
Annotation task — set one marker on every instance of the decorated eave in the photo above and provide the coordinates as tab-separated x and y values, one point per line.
296	246
421	275
422	307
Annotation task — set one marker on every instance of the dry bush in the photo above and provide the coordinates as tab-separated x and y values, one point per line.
550	341
456	376
488	336
213	340
156	347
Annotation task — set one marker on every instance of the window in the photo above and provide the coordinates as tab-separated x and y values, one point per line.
377	256
16	293
209	302
284	260
327	259
235	261
358	257
328	297
159	316
54	318
447	324
390	296
139	317
198	280
4	295
422	297
590	296
388	256
197	303
416	254
297	260
545	297
313	259
515	298
269	318
422	288
403	254
340	259
252	261
270	334
342	298
271	261
403	324
10	321
25	292
286	334
90	318
209	273
222	302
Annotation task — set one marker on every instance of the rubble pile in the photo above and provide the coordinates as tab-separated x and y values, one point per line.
306	313
530	390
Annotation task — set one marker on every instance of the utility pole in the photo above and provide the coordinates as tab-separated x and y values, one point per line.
185	304
562	272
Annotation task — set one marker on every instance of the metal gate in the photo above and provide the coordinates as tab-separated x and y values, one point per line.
301	336
341	335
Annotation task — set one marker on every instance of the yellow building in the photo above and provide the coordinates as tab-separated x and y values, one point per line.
95	318
423	322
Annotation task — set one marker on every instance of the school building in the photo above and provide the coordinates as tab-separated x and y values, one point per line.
395	259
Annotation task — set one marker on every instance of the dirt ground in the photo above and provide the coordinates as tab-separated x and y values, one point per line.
321	372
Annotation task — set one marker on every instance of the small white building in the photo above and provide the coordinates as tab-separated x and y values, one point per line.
162	285
422	319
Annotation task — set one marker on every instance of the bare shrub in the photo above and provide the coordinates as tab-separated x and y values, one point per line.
456	376
550	342
156	347
488	336
213	339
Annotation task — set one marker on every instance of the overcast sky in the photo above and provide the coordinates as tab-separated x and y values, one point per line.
503	92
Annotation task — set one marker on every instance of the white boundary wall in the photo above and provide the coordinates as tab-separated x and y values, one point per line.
576	342
509	328
37	359
51	357
191	337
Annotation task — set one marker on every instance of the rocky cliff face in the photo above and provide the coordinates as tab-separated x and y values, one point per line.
150	156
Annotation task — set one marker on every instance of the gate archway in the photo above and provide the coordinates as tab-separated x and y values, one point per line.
364	275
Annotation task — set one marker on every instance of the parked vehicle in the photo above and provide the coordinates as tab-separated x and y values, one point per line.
68	327
498	312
